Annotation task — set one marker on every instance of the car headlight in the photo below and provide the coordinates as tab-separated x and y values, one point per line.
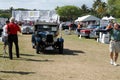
55	39
44	39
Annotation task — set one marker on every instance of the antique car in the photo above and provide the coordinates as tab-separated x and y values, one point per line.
46	37
27	29
65	25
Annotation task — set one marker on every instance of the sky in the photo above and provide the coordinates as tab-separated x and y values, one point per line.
43	4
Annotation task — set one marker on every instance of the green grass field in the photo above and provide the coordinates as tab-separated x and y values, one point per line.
83	59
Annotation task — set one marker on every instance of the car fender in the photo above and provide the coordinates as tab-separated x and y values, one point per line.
60	39
37	39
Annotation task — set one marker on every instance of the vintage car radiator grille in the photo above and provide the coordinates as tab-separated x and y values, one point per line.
49	38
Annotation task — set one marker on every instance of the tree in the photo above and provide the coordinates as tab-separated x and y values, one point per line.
5	13
114	7
69	12
84	9
100	8
23	9
96	3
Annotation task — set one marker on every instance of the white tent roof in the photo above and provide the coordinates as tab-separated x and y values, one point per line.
108	18
111	18
87	18
105	18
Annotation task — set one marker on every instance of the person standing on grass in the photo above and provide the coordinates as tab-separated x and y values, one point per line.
12	29
79	26
114	44
70	27
5	37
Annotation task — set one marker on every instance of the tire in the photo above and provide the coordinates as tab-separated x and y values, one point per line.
37	49
61	48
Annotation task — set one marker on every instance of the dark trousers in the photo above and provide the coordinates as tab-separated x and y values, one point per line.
13	39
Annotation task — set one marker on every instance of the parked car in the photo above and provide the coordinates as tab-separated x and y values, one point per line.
1	29
97	30
27	29
45	37
89	32
66	25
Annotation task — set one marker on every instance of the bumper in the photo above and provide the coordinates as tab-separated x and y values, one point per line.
84	34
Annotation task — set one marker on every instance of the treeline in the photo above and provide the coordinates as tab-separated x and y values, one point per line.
7	13
99	9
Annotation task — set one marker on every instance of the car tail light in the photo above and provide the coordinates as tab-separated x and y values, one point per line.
85	31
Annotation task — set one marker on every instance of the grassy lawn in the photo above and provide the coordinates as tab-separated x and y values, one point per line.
83	59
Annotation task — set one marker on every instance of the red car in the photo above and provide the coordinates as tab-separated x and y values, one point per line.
87	31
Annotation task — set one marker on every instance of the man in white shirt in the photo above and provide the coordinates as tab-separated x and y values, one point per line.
5	37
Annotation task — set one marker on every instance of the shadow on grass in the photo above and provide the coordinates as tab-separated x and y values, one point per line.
46	60
2	79
6	56
65	52
17	72
72	52
35	60
27	54
28	59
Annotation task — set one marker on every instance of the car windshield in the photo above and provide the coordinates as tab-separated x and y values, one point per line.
26	25
46	28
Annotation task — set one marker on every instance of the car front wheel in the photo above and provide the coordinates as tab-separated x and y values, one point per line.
61	48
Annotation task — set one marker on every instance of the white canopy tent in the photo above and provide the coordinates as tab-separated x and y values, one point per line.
87	18
105	18
111	18
108	18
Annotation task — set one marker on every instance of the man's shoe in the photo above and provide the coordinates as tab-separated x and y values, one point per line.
115	64
111	62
